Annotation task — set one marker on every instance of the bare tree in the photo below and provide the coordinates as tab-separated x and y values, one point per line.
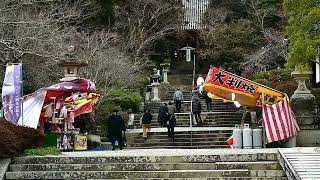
262	60
39	27
109	66
274	36
39	32
142	22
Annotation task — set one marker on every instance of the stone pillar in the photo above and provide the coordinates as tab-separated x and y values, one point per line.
165	76
155	91
148	93
253	115
147	98
303	105
155	85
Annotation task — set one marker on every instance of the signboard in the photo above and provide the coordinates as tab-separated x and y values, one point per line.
188	55
80	142
248	93
230	82
65	142
12	93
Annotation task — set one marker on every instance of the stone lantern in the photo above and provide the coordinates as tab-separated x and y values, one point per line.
165	71
71	66
303	105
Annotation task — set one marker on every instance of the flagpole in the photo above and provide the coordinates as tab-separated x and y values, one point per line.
263	129
21	82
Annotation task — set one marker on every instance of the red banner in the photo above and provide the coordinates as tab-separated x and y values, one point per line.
230	81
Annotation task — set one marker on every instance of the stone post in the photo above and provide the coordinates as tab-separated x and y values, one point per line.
253	115
165	76
155	85
165	70
148	93
155	91
303	105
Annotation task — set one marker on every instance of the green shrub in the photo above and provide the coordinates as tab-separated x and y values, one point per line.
125	99
279	79
42	151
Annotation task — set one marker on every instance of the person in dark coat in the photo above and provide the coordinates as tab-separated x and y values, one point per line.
116	126
171	121
146	123
163	114
195	94
208	102
196	110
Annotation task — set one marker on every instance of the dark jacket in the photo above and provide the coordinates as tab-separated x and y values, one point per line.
163	113
208	99
172	121
195	95
116	126
196	106
171	109
146	118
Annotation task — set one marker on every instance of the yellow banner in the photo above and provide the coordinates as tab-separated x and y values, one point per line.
248	93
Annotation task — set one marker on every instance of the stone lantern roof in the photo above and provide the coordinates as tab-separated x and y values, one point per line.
71	65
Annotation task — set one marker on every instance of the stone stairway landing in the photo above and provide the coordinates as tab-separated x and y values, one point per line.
150	164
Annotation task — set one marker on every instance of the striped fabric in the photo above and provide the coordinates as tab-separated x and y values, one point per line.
194	14
279	121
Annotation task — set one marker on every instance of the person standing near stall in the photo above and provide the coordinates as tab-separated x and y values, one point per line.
208	102
200	82
116	126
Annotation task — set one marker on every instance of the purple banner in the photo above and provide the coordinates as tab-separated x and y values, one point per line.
11	93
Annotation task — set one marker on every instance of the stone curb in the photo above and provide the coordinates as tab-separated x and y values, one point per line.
4	165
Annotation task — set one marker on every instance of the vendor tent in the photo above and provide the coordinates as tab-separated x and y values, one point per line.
33	103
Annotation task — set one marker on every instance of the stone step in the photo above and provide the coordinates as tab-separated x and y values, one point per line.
186	136
181	147
211	115
267	165
219	156
178	139
143	174
186	106
187	125
150	142
200	133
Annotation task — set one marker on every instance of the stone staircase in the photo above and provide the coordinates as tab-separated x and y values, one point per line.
212	119
215	129
150	164
195	139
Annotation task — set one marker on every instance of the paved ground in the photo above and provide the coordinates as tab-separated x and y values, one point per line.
179	129
167	152
301	150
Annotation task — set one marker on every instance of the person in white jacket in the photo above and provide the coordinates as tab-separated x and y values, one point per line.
200	82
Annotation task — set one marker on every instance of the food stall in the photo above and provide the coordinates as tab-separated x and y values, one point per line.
53	109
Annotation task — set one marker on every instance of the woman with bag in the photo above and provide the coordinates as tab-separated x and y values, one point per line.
146	123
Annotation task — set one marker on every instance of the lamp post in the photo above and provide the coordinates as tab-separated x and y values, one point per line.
188	59
188	50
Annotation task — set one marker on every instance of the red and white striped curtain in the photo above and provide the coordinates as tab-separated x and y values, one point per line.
279	121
